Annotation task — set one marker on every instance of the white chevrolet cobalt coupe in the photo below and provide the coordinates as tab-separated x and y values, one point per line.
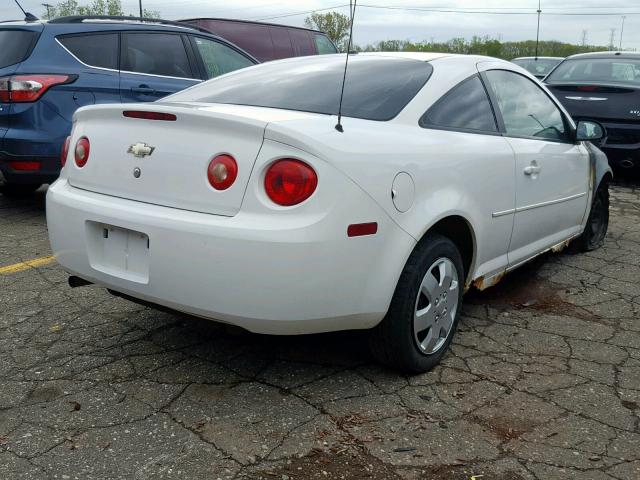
243	200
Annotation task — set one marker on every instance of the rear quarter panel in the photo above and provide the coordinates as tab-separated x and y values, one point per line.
469	175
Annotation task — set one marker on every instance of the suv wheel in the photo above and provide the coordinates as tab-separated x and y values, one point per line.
425	309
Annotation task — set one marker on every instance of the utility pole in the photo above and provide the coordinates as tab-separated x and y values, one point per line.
612	38
538	30
621	32
48	6
584	38
140	3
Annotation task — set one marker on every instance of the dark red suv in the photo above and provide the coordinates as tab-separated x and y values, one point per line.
268	41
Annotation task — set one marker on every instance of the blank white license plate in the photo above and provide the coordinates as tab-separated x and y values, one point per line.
118	251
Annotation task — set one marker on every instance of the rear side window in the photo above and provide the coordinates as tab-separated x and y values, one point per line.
98	50
302	42
155	54
15	46
376	88
219	59
465	107
324	45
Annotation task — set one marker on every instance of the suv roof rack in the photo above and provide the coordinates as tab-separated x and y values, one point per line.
118	18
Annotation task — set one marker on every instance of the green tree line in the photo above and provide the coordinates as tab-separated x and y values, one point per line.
68	8
485	46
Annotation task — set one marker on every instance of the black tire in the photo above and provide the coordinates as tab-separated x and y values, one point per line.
392	342
598	222
19	190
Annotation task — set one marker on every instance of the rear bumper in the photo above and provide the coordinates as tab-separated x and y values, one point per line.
622	145
265	274
36	135
47	171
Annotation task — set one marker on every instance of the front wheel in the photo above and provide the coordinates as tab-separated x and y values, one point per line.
598	222
425	309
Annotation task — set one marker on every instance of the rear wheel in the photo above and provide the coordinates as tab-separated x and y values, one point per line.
598	222
19	190
425	309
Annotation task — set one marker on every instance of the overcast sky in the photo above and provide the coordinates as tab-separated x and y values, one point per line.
374	24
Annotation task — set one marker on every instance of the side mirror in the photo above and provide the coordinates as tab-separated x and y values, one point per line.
589	131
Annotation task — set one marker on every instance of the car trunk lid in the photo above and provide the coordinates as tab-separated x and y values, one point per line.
599	102
172	156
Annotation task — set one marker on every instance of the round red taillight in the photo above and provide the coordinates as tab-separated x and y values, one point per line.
222	172
65	151
290	182
82	152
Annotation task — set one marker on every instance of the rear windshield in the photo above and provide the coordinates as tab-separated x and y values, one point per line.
376	88
541	66
598	70
15	45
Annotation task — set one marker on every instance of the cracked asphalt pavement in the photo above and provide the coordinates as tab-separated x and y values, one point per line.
542	381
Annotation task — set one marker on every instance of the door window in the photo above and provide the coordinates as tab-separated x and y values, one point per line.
465	107
324	45
527	111
96	50
155	54
219	59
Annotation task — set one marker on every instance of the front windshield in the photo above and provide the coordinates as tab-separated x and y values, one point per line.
623	71
539	67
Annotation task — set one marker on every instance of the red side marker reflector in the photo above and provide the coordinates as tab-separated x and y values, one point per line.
360	229
167	117
25	166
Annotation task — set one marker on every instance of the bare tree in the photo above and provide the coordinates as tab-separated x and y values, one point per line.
334	24
98	7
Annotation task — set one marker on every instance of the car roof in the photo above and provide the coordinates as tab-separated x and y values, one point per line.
539	58
93	23
117	22
422	56
436	56
252	22
609	55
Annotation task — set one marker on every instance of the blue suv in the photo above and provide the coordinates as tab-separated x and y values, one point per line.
49	69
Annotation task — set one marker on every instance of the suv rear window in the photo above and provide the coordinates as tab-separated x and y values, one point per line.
16	45
376	88
597	70
96	50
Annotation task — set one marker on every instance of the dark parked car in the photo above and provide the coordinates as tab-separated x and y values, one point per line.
604	87
49	69
268	41
538	66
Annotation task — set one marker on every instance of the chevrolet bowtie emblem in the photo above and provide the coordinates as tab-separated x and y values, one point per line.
140	150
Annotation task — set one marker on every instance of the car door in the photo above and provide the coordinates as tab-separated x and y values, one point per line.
552	170
479	164
217	58
154	65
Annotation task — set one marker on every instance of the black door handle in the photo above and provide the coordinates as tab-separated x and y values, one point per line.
143	90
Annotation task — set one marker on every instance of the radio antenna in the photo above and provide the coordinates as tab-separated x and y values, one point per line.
352	11
27	16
